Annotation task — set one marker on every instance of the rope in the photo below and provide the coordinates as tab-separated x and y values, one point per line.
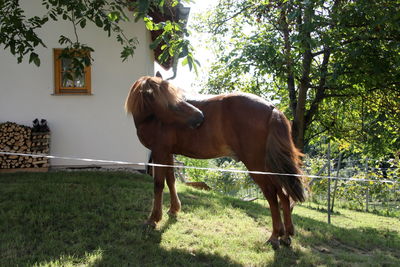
193	167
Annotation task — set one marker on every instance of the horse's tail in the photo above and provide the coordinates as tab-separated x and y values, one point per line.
283	157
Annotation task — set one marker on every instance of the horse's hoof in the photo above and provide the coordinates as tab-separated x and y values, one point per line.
149	225
274	244
173	214
148	228
287	242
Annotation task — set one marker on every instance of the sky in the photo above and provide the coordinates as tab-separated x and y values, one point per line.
186	79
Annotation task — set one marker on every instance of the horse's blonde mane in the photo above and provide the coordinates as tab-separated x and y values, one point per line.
164	93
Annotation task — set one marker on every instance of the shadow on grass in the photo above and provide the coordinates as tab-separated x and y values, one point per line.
97	219
77	218
320	243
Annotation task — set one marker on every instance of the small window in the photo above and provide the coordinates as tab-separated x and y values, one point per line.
67	82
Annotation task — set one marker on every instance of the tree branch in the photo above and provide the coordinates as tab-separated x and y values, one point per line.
320	89
74	25
220	23
357	39
360	93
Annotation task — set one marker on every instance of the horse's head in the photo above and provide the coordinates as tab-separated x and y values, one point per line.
152	96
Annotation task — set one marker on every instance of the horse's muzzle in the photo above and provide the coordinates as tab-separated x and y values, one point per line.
196	121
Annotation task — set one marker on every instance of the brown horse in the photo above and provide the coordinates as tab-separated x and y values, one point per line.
238	125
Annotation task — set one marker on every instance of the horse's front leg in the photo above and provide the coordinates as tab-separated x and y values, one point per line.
159	181
175	206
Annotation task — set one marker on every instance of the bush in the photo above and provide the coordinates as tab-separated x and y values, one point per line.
231	183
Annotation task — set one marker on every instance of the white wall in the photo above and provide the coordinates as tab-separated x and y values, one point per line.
94	126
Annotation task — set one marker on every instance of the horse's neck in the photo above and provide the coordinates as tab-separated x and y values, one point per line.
145	131
142	117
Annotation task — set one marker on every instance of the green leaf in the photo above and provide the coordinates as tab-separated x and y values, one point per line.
190	62
156	42
143	7
114	16
185	61
98	22
184	52
164	56
87	61
82	23
149	23
126	52
168	26
33	57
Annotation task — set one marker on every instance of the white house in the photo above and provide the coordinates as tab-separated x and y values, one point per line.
91	125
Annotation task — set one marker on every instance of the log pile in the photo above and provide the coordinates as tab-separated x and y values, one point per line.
23	139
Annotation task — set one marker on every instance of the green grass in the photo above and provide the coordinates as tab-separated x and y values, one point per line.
95	219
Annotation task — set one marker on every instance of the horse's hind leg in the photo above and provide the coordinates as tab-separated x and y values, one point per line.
287	218
175	206
270	193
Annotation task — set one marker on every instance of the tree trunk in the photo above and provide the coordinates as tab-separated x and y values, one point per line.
289	61
299	125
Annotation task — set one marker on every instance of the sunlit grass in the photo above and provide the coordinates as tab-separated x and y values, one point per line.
95	219
89	259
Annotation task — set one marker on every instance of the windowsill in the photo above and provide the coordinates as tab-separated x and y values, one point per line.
71	94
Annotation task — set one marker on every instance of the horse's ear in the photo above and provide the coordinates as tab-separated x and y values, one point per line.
158	74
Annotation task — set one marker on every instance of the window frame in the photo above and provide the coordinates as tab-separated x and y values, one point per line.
62	90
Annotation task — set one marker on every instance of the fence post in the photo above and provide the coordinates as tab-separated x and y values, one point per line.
318	174
336	181
329	182
367	183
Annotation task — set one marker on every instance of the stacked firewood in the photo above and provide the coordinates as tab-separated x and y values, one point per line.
26	140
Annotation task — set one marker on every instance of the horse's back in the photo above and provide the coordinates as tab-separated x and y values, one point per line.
233	102
234	124
235	111
249	117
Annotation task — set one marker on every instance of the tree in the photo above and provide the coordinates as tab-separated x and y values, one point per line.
19	35
314	57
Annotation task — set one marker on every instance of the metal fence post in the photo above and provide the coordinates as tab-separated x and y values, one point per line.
367	193
329	182
336	181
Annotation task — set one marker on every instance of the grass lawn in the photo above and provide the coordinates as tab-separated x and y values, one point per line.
95	219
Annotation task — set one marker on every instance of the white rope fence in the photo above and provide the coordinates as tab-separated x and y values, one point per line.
193	167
